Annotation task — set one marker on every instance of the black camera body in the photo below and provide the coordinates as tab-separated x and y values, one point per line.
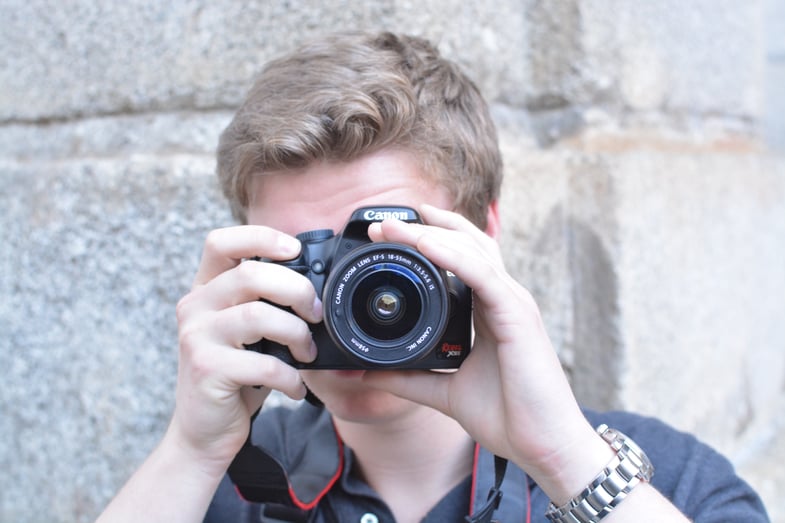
385	305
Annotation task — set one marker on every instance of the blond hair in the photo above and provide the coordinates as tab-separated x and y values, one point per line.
348	95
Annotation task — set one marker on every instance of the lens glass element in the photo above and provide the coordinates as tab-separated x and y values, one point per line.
386	304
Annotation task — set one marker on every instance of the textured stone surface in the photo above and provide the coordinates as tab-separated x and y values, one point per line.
88	58
774	118
701	290
762	470
661	279
640	208
656	259
95	254
84	58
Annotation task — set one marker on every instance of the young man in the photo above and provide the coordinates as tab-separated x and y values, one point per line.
371	120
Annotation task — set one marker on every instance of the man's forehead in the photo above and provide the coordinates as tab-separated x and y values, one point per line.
325	194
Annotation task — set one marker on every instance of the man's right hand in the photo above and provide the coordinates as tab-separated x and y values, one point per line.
223	312
216	375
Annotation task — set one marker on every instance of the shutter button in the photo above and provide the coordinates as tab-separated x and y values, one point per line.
369	518
317	266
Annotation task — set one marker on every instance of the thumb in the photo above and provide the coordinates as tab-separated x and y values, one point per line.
424	387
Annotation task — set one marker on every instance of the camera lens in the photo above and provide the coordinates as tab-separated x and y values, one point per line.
385	304
380	303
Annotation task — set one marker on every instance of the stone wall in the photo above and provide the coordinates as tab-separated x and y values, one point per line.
643	206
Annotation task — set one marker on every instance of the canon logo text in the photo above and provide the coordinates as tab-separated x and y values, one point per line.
377	216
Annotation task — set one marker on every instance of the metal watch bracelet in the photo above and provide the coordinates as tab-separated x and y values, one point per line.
626	470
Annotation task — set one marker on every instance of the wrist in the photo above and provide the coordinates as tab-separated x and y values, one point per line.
629	467
170	486
573	465
208	459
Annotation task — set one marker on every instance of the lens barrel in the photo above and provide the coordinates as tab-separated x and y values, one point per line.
385	304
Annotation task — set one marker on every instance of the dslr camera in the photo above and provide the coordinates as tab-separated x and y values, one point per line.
385	305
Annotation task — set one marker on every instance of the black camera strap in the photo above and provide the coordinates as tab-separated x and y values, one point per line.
257	475
485	513
261	478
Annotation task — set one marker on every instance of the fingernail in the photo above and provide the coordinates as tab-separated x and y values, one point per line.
317	309
313	350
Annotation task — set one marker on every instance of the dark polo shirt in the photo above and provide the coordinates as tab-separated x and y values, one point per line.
326	484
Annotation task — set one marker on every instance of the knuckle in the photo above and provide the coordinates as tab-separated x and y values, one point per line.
302	333
191	339
306	293
201	363
260	235
212	241
183	307
254	312
268	370
248	270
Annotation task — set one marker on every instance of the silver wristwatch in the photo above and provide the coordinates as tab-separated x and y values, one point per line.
629	467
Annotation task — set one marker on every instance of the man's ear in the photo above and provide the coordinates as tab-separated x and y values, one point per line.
493	221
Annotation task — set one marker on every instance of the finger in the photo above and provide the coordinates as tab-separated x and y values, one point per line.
225	248
223	369
456	222
396	231
423	387
251	281
478	268
500	296
461	246
450	250
250	322
250	368
452	228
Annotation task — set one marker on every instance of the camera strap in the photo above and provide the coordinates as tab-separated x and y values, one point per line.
260	477
257	475
485	512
